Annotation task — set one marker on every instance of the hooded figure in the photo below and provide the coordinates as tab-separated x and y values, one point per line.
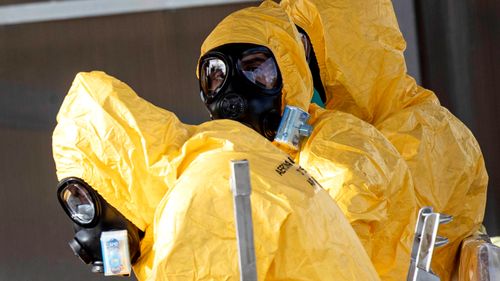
171	181
359	50
351	159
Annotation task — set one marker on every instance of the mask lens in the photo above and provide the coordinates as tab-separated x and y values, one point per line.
79	203
259	68
212	76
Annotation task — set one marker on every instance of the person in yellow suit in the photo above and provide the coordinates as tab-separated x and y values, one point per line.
125	164
359	50
253	66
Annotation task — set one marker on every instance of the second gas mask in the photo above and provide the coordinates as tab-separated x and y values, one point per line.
103	236
242	82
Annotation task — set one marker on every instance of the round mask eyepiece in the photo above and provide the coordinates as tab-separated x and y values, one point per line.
78	201
260	68
213	74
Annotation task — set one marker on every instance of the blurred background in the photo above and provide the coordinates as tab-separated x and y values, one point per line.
452	49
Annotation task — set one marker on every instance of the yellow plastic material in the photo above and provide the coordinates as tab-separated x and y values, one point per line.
359	49
172	181
351	159
448	172
116	141
370	181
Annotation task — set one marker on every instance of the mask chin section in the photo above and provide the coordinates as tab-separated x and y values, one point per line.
79	251
232	106
97	267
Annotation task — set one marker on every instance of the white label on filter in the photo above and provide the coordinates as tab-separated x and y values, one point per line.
289	130
115	252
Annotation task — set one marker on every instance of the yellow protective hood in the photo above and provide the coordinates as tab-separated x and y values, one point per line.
360	54
359	49
118	143
268	25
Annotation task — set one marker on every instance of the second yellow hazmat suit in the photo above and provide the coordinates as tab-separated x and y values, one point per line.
172	181
351	159
359	49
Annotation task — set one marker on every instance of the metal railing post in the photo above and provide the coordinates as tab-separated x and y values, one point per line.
241	188
424	242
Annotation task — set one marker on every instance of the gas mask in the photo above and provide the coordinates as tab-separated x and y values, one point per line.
103	236
242	82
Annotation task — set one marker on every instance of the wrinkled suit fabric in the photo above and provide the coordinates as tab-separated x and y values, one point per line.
359	49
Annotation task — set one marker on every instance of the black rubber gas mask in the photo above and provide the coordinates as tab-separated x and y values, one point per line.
242	82
93	217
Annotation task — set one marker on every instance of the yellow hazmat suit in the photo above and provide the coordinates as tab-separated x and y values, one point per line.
370	181
351	159
359	49
172	181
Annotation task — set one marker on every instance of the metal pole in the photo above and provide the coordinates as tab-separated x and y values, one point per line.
240	186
